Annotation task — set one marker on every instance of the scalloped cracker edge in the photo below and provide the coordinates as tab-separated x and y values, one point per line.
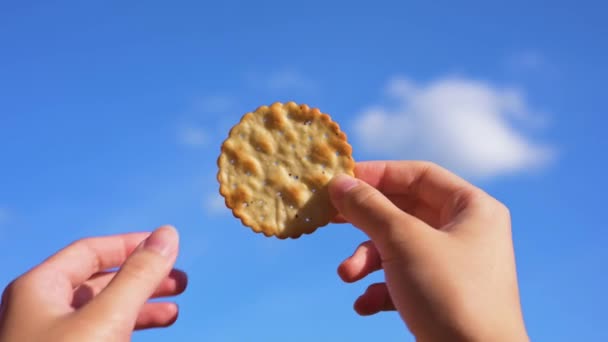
275	165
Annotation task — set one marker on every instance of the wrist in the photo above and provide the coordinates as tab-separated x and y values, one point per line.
503	333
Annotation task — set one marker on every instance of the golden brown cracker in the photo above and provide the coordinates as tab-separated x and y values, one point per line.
275	165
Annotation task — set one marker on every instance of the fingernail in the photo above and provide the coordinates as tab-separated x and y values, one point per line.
342	183
163	241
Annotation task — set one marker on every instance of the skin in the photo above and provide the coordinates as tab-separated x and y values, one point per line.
444	245
73	297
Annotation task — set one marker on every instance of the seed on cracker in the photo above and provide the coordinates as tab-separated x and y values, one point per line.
275	165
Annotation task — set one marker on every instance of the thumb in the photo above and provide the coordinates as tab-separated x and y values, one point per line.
372	212
138	277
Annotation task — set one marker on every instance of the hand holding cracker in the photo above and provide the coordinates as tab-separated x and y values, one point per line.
445	247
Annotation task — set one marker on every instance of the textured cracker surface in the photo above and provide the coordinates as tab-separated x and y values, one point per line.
275	165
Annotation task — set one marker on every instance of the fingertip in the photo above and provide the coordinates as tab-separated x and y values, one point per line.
164	241
169	309
157	315
351	269
354	268
170	315
375	299
345	273
181	280
340	185
173	313
363	308
364	206
169	230
364	261
343	182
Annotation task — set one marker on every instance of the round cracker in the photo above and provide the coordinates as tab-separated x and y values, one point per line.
275	165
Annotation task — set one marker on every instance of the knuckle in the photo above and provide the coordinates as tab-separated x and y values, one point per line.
83	248
502	209
79	246
492	208
15	287
80	243
84	245
424	169
458	202
9	291
427	165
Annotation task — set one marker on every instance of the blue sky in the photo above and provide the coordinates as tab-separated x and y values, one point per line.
111	117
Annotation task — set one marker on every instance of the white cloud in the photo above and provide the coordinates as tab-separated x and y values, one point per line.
192	136
466	125
214	204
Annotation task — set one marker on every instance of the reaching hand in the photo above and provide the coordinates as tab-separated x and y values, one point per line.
73	297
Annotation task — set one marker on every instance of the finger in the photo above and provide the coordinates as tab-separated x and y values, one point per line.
156	315
139	276
422	181
364	261
418	209
406	203
375	299
174	284
373	213
85	257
